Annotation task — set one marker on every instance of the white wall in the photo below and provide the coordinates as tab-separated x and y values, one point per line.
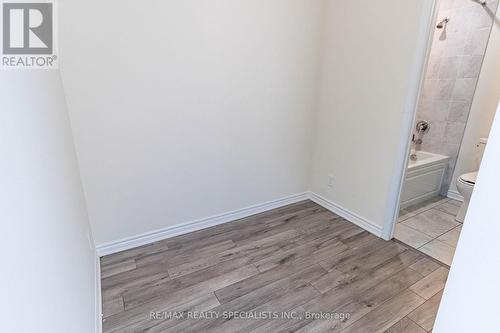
369	52
483	106
48	261
185	109
470	300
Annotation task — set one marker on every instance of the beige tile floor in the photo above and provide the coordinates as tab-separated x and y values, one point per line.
431	228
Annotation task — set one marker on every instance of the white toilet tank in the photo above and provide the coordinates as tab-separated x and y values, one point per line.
480	147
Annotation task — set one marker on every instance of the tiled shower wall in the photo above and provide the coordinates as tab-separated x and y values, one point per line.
455	61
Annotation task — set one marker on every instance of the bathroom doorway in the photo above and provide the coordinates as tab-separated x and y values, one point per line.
447	142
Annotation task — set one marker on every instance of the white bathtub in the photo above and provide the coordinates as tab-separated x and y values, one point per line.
424	178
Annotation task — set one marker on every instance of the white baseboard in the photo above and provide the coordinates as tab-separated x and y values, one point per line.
347	214
147	238
455	195
161	234
98	303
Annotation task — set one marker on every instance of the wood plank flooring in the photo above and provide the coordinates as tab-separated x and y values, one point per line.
299	268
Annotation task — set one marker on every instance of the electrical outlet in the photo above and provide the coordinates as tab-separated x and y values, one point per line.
331	181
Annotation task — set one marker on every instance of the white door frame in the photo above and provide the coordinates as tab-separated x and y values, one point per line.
424	44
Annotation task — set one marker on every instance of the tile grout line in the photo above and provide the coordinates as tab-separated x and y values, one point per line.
436	237
440	240
439	262
436	208
420	247
454	215
427	209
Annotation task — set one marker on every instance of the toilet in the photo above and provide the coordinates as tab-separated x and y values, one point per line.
466	182
465	186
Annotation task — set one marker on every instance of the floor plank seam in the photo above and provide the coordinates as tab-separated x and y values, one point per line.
319	292
217	297
416	323
381	304
354	269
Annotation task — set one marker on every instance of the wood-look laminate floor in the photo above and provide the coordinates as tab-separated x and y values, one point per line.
300	261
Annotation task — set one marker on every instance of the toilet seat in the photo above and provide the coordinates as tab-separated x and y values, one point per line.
468	178
465	186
